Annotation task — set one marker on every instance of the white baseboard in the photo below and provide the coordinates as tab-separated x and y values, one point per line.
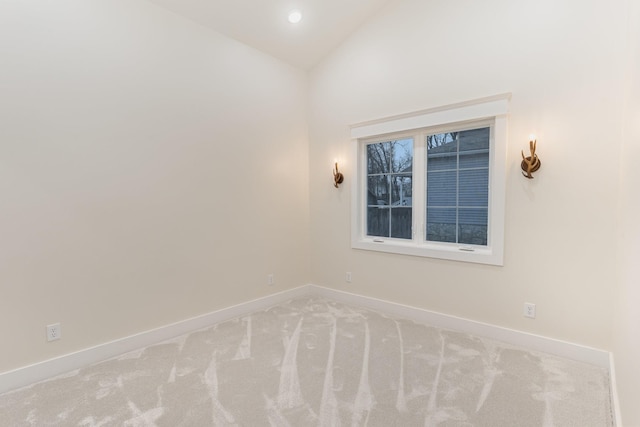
530	341
60	365
69	362
615	403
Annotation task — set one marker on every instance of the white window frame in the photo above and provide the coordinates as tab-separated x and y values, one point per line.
491	111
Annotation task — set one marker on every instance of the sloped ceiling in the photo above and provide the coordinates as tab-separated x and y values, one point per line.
263	24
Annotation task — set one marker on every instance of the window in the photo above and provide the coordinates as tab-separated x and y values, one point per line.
389	195
432	183
458	186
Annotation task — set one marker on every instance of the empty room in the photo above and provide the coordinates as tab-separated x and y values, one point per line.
319	212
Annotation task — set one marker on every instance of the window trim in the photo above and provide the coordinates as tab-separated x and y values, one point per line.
492	109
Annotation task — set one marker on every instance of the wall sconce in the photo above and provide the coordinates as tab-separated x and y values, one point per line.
337	176
530	163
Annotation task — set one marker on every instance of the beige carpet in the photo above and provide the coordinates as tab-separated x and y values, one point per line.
316	362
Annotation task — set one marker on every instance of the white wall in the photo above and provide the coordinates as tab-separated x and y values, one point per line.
626	333
563	62
150	171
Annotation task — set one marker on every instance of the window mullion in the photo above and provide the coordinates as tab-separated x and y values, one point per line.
457	187
419	188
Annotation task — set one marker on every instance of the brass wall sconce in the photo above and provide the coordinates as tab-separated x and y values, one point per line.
337	176
530	163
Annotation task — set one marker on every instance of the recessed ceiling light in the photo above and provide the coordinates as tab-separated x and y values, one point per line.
295	16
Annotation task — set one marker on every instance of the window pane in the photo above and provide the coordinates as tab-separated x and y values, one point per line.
473	226
442	161
441	151
474	187
441	225
474	139
474	159
401	223
401	190
378	221
378	190
378	158
472	216
474	148
402	155
441	188
441	142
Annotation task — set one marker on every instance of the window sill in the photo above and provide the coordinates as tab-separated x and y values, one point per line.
452	252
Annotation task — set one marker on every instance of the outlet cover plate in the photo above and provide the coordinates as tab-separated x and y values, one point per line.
54	332
529	310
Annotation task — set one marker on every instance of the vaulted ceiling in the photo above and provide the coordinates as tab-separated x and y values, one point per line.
263	24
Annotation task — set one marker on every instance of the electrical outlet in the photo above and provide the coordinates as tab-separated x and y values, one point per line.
54	332
529	310
348	277
271	280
